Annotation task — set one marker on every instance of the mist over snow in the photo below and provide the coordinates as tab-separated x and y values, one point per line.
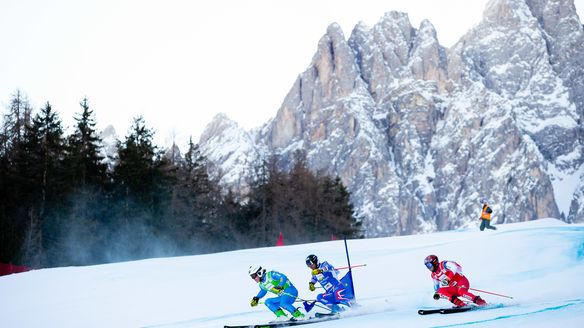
540	263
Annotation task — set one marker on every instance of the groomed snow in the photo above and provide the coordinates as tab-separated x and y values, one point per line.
539	263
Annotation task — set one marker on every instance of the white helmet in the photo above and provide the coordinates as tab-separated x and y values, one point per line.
256	270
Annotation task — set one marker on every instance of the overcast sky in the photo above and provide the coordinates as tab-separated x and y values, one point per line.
180	62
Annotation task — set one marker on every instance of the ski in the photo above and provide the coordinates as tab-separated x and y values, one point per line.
319	317
446	310
326	315
457	310
432	311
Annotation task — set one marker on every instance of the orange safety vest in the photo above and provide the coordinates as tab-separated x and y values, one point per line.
485	215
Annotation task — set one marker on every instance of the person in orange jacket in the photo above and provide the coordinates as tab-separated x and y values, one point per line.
486	217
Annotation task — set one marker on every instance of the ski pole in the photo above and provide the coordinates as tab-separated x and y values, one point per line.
350	274
296	301
484	291
298	298
351	267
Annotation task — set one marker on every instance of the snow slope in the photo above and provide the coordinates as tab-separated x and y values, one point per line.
540	263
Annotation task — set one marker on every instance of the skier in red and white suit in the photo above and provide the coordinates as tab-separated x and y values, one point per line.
450	283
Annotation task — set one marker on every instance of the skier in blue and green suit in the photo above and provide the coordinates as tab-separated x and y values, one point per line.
279	284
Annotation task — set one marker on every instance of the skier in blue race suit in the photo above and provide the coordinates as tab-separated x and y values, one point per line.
279	284
336	292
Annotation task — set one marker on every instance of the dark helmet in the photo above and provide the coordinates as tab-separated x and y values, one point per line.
431	262
311	259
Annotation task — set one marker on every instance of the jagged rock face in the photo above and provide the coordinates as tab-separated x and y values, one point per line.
511	52
420	133
429	61
564	36
231	151
331	76
481	152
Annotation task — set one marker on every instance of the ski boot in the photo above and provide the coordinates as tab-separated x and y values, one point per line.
457	302
335	308
297	315
479	301
280	316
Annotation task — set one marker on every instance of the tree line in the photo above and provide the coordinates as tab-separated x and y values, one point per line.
61	204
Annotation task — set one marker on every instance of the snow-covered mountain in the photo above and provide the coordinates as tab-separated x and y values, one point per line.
231	150
420	133
109	150
539	263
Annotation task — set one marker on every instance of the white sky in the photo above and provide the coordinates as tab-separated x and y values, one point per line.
180	62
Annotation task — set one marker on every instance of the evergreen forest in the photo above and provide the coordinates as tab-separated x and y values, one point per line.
64	202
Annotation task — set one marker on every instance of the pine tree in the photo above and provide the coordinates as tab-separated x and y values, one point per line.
15	122
40	168
142	190
233	219
52	142
195	206
136	167
339	212
87	177
12	135
305	200
28	174
85	163
305	206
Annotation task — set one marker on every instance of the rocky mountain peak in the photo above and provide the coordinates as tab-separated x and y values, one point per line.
334	64
509	12
221	124
428	60
231	151
395	32
419	133
564	38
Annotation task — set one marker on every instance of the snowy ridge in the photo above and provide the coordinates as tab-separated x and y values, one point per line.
231	149
539	263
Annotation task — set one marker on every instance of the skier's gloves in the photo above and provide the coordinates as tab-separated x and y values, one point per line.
316	271
278	290
311	286
436	296
254	301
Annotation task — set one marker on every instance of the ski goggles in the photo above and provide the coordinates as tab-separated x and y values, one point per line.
429	265
253	275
